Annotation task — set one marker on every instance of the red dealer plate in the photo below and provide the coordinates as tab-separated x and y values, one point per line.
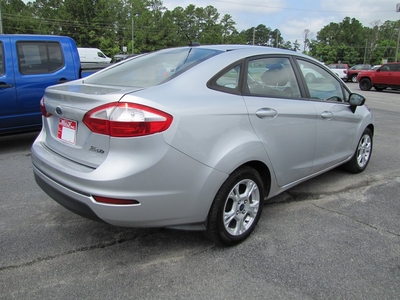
67	130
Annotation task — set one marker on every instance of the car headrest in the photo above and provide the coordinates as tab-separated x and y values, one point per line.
275	76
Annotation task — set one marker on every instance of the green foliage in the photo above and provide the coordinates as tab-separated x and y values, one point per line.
350	42
146	25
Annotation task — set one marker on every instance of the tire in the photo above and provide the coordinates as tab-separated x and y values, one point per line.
354	78
365	84
310	77
379	89
236	208
362	155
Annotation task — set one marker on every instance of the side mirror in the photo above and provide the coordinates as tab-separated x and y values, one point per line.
356	100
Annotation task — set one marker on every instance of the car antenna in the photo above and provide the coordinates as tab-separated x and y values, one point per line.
191	44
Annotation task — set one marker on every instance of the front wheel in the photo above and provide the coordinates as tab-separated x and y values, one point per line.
365	84
236	208
362	155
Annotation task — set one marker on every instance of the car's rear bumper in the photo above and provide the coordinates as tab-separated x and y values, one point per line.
63	198
173	191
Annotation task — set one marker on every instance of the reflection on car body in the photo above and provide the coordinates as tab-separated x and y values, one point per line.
197	137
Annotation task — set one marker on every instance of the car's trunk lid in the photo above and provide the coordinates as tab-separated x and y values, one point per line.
66	134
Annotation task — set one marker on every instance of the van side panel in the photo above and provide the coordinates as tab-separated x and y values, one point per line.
92	55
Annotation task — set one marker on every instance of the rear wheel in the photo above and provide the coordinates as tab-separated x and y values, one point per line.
236	208
365	84
362	155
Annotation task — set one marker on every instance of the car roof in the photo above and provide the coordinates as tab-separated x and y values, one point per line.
251	50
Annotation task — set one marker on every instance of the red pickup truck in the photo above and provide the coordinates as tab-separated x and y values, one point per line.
387	76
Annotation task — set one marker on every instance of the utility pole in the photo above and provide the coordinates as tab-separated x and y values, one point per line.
398	36
1	21
365	51
132	36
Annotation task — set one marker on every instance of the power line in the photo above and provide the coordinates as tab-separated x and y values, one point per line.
300	9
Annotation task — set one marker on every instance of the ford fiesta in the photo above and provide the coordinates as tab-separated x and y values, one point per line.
196	138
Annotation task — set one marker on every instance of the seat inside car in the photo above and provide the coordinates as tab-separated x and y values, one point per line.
277	79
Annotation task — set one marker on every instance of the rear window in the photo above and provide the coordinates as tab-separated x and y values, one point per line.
153	68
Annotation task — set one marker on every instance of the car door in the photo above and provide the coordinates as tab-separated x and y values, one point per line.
284	123
39	63
336	123
385	75
8	98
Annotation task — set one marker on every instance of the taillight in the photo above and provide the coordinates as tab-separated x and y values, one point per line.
126	120
43	109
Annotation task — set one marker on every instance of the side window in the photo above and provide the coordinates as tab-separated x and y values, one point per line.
321	84
227	80
272	77
39	57
385	68
100	54
230	79
1	59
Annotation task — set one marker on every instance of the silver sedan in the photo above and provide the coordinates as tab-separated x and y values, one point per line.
196	138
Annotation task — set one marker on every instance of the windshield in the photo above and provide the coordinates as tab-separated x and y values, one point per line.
153	68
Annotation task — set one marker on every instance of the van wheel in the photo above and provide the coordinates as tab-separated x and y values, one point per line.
236	208
362	155
365	84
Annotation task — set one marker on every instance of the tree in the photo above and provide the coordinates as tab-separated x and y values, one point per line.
307	37
111	25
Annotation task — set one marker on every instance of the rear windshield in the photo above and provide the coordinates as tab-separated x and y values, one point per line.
153	68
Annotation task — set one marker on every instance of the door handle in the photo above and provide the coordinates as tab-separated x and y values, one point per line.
62	80
4	85
327	115
266	113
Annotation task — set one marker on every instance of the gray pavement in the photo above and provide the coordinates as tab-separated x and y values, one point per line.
334	237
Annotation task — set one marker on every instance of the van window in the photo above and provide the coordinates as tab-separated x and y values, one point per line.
101	54
1	59
39	57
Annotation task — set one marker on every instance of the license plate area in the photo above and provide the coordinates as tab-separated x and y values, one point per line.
67	130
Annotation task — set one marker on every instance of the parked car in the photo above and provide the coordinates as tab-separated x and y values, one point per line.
386	76
354	70
199	148
340	70
119	57
309	74
29	64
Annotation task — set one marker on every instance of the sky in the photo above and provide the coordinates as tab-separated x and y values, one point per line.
292	17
